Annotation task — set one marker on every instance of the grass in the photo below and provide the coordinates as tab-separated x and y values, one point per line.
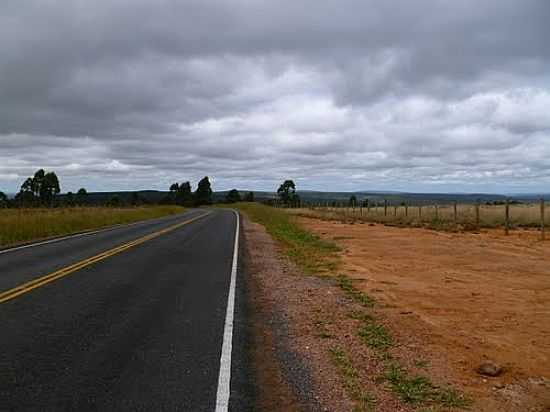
364	400
308	251
346	285
420	390
24	225
491	216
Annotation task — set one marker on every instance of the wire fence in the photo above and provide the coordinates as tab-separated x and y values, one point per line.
508	215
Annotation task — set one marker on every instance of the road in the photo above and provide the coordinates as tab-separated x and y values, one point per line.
131	318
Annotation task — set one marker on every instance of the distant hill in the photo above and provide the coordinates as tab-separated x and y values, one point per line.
156	196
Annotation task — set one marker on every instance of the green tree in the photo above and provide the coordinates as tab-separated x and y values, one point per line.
81	196
49	188
3	199
287	192
249	197
203	194
233	196
185	195
114	201
42	186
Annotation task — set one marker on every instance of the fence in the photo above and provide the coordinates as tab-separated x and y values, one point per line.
508	215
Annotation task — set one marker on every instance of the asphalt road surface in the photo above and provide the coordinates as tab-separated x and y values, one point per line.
135	318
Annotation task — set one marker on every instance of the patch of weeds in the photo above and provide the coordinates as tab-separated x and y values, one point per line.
311	253
420	390
346	285
364	400
375	335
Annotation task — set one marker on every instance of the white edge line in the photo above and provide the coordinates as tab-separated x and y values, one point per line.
224	379
60	239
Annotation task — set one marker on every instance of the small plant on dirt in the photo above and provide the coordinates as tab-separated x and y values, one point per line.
420	390
347	286
375	335
364	400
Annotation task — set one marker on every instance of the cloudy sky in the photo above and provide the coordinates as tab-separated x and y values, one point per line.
424	95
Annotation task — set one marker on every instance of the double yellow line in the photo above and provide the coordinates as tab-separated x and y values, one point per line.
58	274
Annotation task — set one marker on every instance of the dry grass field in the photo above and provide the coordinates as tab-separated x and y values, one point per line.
23	225
443	217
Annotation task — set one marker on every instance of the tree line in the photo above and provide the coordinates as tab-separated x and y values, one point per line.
43	190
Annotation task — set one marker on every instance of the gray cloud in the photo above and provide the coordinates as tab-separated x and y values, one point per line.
423	95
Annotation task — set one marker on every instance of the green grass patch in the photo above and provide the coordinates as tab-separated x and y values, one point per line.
420	390
364	400
347	286
375	335
313	254
24	225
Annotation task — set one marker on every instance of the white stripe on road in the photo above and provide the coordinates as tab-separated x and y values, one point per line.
224	379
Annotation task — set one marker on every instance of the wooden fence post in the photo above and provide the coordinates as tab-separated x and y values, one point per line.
542	228
507	217
477	214
406	210
455	213
420	212
395	210
385	207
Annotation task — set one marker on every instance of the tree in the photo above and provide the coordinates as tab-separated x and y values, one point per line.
3	199
203	194
287	192
42	186
185	195
81	195
49	187
114	201
353	201
233	196
249	197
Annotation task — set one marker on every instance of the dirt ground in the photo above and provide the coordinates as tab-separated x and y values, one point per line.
460	299
297	320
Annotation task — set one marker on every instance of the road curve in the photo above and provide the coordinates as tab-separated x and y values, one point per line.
141	329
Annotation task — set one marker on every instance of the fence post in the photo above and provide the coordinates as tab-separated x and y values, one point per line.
406	210
368	207
507	217
455	213
420	212
385	207
477	214
395	210
542	228
361	210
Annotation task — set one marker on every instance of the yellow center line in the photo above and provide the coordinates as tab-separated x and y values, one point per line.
43	280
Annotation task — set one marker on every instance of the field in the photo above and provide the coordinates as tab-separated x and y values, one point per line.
23	225
464	297
436	304
442	216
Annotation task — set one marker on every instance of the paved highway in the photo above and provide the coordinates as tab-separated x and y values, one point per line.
137	317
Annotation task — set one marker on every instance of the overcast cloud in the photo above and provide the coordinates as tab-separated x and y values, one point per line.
425	95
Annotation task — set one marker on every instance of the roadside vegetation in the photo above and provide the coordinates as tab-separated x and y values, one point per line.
28	224
312	254
319	257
